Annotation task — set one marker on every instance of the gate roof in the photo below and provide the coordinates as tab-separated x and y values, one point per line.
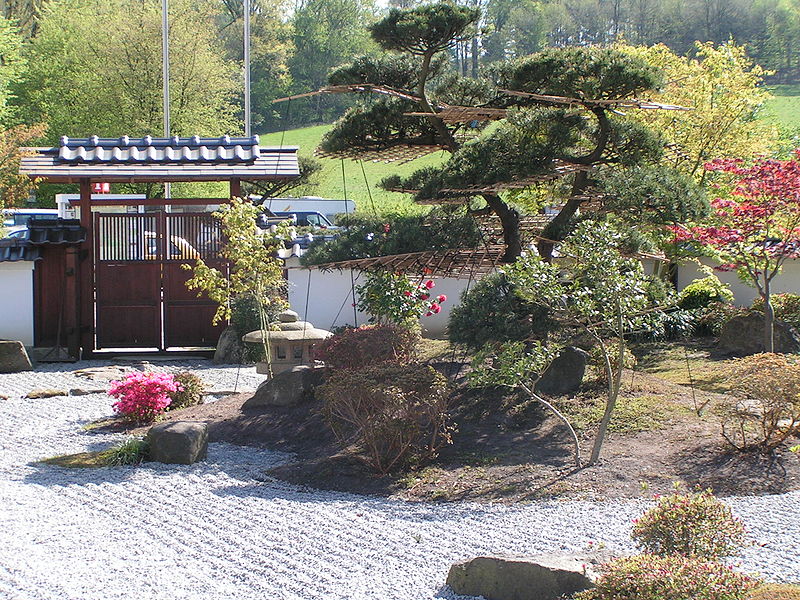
132	160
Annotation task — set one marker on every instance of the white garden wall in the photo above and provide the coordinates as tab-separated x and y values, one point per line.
787	281
330	299
16	301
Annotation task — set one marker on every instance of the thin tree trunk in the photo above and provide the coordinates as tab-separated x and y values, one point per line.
769	319
475	58
613	391
561	417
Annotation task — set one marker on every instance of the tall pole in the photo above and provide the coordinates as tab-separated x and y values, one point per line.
247	125
165	75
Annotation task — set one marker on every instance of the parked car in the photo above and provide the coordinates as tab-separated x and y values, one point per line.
16	219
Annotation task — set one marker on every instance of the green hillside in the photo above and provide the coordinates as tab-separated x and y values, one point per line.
329	181
784	107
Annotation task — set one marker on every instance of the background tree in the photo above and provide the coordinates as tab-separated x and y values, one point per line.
326	33
725	90
756	229
95	68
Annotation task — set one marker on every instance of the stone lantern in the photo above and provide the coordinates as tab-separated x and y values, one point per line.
291	345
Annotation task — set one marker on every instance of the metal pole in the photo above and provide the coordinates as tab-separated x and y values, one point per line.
247	125
165	74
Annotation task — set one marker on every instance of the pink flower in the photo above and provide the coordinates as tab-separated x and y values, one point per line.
441	298
429	284
424	296
406	293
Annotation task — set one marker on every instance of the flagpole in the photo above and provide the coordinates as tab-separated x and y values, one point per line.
165	76
247	124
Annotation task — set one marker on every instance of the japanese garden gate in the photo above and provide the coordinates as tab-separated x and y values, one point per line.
141	298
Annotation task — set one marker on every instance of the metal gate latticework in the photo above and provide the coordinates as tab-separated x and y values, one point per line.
141	298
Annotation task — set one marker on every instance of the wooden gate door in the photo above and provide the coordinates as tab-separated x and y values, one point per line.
128	280
141	300
187	317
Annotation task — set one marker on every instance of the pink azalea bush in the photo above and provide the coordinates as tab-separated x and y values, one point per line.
142	396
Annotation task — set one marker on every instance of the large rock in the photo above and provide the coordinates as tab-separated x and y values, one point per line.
545	577
13	357
565	373
744	335
178	442
229	347
287	388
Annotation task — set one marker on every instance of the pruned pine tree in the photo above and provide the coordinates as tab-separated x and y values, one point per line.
578	131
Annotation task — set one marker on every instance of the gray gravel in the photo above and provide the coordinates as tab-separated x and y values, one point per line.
222	529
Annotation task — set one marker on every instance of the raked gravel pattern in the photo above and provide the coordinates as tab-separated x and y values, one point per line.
223	529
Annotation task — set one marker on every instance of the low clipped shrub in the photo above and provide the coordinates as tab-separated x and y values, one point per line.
356	348
694	525
491	312
767	410
651	577
786	307
395	414
700	293
142	396
190	392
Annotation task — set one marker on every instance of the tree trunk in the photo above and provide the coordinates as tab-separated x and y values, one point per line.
475	58
615	382
554	232
509	218
769	320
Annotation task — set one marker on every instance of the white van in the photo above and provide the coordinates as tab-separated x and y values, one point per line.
309	204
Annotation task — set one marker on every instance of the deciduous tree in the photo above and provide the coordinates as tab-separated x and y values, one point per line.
756	227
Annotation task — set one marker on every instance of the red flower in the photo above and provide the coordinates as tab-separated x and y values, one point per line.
441	298
386	228
406	293
424	296
429	284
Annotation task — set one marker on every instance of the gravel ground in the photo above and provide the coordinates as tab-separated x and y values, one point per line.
222	529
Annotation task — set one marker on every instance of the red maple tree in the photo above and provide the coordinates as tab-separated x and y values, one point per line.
756	227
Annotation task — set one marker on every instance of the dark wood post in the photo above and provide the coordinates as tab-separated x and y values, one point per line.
236	188
87	272
72	305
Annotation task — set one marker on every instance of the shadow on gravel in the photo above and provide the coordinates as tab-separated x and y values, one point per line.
55	476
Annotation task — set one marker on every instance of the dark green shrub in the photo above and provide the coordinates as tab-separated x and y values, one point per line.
715	316
368	345
190	392
700	293
693	525
786	307
651	577
492	312
244	314
395	414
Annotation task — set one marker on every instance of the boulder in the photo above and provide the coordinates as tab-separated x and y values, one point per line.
229	347
13	357
178	442
287	388
103	374
545	577
565	373
46	393
744	335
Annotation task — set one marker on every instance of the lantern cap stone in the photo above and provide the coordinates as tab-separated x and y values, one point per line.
288	316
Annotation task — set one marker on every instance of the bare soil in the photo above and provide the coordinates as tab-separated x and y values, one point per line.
507	450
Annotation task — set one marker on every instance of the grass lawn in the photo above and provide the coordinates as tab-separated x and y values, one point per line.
784	107
329	181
